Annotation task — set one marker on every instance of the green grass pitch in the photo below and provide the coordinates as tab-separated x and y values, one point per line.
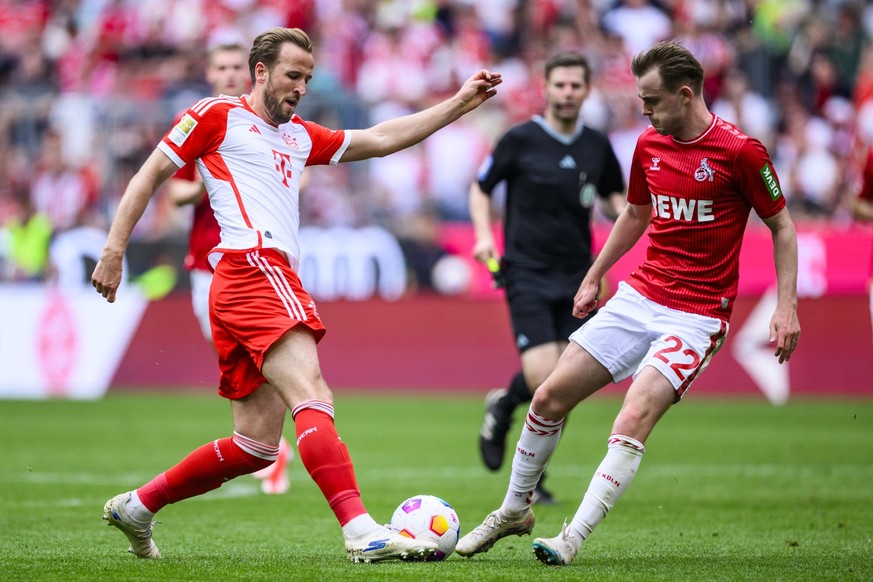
727	490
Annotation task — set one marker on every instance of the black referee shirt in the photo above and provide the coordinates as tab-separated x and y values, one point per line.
552	181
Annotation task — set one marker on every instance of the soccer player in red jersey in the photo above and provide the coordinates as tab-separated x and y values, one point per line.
228	73
250	152
694	180
863	209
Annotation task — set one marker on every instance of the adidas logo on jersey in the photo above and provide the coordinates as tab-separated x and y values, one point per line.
254	129
567	163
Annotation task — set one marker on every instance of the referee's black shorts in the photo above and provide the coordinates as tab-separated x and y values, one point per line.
541	304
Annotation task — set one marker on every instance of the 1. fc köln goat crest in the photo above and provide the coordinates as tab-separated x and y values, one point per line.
704	172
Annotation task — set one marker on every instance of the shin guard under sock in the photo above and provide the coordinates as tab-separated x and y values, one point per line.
538	440
327	459
611	479
205	469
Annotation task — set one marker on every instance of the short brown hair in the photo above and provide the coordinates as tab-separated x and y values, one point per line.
674	62
569	60
268	44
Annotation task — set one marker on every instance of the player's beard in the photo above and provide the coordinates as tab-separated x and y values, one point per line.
274	106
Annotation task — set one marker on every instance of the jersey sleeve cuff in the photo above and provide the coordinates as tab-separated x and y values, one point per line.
168	151
347	139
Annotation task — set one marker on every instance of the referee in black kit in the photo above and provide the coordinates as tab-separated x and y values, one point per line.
554	168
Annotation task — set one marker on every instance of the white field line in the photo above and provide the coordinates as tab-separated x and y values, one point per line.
247	487
449	472
228	491
653	470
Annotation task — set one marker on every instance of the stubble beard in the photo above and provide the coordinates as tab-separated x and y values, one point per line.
273	106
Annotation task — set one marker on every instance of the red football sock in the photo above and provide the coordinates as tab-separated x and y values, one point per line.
327	459
204	469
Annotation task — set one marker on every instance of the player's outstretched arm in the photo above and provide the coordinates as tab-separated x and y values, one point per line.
107	274
400	133
784	325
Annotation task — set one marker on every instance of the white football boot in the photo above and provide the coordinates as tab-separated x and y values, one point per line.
496	526
138	533
559	550
388	544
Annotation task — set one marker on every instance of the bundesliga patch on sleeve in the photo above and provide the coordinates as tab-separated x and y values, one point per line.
769	177
183	129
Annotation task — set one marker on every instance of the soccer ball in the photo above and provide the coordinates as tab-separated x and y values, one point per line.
426	517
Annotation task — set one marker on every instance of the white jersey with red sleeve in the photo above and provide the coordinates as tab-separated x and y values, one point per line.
251	170
701	193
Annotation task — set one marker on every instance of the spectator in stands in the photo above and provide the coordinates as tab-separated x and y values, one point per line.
27	99
640	23
740	105
66	194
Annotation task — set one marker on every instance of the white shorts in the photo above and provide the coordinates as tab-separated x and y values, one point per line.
631	332
200	282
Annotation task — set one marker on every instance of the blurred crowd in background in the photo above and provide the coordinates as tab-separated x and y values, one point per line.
89	87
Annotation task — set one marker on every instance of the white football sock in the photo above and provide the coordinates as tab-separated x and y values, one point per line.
612	477
360	526
137	510
538	440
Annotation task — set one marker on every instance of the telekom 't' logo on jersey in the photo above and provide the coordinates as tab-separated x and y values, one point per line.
283	166
685	209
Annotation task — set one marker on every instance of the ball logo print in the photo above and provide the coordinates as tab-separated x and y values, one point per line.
427	517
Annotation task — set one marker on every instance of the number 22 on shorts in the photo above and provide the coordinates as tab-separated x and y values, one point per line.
684	362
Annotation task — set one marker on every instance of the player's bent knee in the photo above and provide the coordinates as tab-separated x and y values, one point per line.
547	404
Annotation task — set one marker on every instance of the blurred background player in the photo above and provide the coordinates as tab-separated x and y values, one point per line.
555	168
863	210
250	151
694	180
227	72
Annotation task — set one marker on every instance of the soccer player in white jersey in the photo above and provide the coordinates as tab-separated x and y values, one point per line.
250	152
694	180
228	74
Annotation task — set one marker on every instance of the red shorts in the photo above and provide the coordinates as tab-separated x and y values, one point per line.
254	299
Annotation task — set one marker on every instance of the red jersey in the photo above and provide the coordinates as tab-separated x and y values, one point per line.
701	192
205	232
